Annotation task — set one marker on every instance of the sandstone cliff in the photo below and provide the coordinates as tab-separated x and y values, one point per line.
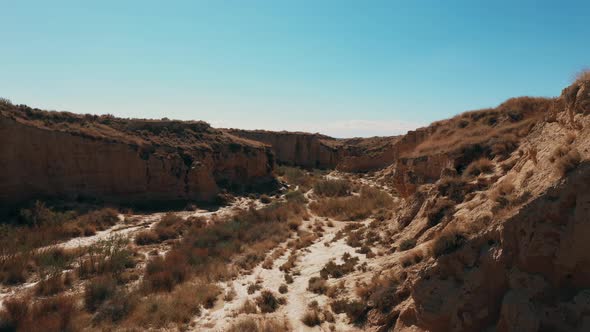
319	151
50	154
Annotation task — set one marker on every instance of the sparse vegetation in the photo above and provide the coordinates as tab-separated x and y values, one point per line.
53	314
447	243
260	325
407	244
317	285
331	269
353	207
268	302
442	209
332	188
568	161
480	166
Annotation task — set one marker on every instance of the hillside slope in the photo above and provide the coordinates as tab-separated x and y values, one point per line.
500	245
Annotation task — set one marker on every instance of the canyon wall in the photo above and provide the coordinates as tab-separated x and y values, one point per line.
319	151
297	149
44	160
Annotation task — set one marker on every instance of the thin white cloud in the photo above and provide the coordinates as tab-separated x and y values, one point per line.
341	129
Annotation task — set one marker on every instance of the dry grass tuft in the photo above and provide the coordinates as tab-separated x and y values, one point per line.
480	166
178	306
250	324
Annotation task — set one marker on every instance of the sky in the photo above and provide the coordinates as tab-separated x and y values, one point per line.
342	68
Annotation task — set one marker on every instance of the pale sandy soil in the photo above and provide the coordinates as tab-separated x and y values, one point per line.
311	260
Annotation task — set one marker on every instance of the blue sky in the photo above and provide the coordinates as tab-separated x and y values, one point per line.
344	68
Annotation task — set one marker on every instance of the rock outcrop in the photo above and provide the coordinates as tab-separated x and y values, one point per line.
50	154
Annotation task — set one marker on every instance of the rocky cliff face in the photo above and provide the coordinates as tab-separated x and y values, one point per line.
47	155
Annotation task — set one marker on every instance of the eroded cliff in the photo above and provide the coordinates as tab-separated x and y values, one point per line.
50	154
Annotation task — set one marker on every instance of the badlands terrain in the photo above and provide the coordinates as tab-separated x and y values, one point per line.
475	223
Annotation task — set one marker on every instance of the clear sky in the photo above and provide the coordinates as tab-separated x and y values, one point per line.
344	68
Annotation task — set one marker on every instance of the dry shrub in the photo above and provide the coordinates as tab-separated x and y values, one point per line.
265	199
412	258
317	285
480	166
253	288
502	193
5	102
52	314
179	306
559	152
169	227
334	270
51	285
332	188
268	263
381	293
283	289
355	310
311	318
268	302
40	225
290	263
568	162
97	291
288	278
14	269
354	207
503	145
296	177
248	307
570	138
146	237
447	243
442	209
230	294
111	255
407	244
582	75
162	274
115	309
297	197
